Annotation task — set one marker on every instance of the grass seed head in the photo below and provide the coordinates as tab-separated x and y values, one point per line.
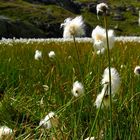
73	27
78	89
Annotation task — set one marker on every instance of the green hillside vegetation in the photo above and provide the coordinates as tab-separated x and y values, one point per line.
47	18
115	2
27	11
37	15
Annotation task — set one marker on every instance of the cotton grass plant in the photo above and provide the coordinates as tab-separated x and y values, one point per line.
137	70
99	39
103	97
38	55
5	132
49	121
104	38
74	28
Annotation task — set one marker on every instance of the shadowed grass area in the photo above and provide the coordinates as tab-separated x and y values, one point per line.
25	102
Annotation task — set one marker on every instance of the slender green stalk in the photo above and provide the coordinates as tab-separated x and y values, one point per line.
79	114
81	78
109	67
95	120
132	105
78	59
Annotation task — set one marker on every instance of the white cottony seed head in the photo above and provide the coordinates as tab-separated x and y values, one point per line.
78	89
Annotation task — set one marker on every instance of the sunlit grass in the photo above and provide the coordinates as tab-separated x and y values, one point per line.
24	102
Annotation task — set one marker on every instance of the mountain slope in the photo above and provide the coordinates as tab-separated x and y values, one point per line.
33	18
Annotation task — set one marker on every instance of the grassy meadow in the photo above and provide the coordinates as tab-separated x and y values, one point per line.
24	102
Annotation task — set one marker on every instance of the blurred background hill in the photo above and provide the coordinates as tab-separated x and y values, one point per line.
42	18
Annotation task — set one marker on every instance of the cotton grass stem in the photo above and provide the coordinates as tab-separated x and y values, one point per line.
78	59
132	105
79	115
95	120
109	67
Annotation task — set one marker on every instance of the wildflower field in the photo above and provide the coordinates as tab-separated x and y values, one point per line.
31	88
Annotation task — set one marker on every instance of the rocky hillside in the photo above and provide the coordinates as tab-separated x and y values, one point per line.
42	18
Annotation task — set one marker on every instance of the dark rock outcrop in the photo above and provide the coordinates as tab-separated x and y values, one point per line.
66	4
42	1
118	17
69	5
92	7
15	28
